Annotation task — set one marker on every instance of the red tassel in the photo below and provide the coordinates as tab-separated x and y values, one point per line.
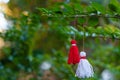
74	56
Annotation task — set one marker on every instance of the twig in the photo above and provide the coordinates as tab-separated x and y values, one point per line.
84	15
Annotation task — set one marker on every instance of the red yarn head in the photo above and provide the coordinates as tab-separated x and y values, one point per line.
73	42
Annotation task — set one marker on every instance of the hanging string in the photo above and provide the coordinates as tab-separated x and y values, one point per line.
75	25
74	36
83	37
84	25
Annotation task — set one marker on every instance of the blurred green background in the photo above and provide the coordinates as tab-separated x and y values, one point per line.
35	38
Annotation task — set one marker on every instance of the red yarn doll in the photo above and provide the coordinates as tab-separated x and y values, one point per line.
74	56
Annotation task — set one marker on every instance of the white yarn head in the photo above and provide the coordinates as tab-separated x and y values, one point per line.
82	54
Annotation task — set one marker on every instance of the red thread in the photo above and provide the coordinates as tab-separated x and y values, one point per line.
83	57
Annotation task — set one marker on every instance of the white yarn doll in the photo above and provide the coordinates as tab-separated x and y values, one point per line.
84	69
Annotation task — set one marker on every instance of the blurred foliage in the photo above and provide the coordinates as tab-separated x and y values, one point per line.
42	30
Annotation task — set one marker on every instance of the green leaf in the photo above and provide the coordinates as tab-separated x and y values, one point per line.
98	7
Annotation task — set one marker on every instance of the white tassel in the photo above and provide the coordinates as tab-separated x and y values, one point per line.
84	69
